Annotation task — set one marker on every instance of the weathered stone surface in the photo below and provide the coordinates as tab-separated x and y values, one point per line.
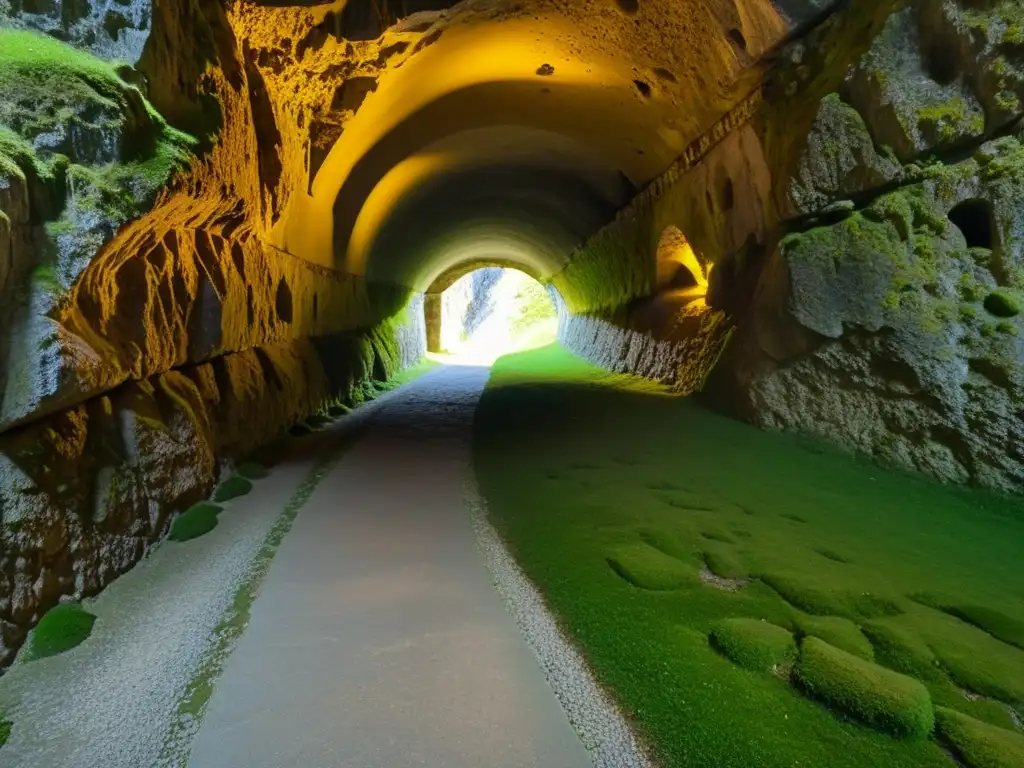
911	103
112	29
840	160
878	332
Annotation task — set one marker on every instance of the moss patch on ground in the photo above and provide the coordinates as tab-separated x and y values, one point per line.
838	632
877	696
195	521
251	470
578	465
232	488
61	629
979	744
5	730
754	645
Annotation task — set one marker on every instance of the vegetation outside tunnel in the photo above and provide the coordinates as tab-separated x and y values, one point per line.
581	467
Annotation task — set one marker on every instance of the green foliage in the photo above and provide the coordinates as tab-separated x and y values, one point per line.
5	730
568	490
648	568
1002	303
996	623
754	645
61	629
194	522
815	599
251	470
980	744
232	488
878	697
338	410
838	632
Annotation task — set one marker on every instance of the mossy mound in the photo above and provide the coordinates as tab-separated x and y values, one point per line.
645	567
980	744
338	410
5	730
824	602
902	650
232	488
251	470
61	629
996	623
838	632
1002	304
194	522
724	562
753	644
878	697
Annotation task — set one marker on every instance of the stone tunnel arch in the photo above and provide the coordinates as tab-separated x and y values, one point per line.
433	297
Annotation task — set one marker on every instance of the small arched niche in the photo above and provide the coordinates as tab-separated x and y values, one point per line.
679	266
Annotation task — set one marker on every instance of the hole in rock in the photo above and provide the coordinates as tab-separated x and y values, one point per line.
736	38
728	196
940	63
545	70
974	219
643	88
629	7
664	74
283	301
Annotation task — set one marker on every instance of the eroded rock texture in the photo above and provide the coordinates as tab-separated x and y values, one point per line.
889	319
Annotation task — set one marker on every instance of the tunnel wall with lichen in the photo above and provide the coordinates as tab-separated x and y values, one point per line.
867	257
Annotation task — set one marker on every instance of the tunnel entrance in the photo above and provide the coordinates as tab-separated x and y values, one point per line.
488	311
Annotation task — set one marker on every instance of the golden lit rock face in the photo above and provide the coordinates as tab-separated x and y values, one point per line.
493	129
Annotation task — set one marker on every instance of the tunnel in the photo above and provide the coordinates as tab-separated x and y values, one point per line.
626	383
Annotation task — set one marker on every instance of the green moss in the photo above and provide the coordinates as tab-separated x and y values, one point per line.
645	567
61	629
194	522
232	488
996	623
723	561
755	645
836	631
1001	303
52	88
338	410
1007	328
902	650
816	600
251	470
947	118
980	744
5	730
878	697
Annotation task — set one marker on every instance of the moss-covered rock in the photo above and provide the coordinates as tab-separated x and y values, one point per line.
91	139
907	104
837	631
840	159
980	744
5	730
876	696
755	645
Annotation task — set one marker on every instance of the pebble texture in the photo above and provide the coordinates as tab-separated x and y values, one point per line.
591	711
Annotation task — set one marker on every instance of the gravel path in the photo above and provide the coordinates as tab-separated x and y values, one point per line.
593	714
112	701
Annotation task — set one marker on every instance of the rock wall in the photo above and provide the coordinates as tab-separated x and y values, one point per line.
85	492
866	231
111	29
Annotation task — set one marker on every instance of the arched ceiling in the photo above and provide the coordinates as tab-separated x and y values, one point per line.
514	131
